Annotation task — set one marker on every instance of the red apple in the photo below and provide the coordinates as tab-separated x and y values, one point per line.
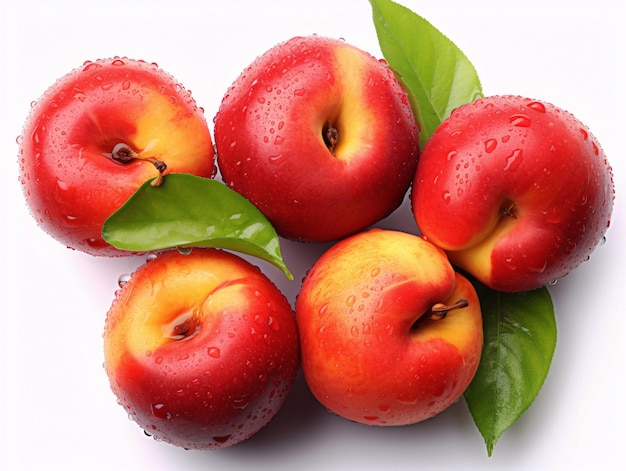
320	136
96	135
517	191
390	334
200	349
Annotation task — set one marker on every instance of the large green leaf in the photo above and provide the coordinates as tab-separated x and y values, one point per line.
190	211
520	339
432	68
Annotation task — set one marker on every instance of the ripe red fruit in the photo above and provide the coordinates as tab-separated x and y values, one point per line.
200	349
517	191
96	135
320	136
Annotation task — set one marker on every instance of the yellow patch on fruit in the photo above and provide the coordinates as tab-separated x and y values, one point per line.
357	121
167	132
457	321
164	303
477	258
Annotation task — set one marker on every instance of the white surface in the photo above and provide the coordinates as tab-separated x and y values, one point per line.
57	411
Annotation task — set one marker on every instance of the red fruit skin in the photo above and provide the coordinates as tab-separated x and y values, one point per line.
271	149
228	377
517	191
369	352
70	186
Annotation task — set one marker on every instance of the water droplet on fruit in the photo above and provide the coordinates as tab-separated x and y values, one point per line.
446	196
537	106
299	92
490	145
184	250
520	121
602	241
150	257
451	155
221	439
117	61
273	323
276	159
214	352
322	310
240	402
160	412
125	85
350	300
89	65
79	95
514	160
553	282
123	279
354	331
106	86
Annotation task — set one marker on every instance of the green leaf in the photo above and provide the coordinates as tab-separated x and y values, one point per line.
190	211
520	339
432	68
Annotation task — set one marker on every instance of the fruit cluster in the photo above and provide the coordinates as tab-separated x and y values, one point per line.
201	348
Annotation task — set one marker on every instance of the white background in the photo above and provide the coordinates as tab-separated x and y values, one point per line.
56	409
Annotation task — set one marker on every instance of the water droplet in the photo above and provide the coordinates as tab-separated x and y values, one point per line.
520	120
125	85
123	279
184	250
273	323
160	412
221	439
553	282
89	65
351	300
446	196
354	331
299	92
214	352
240	402
514	160
602	241
537	106
150	257
490	145
322	310
279	140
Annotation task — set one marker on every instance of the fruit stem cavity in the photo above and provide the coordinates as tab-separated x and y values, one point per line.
331	136
123	154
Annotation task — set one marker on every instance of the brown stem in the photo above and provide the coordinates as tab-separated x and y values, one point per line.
440	310
124	154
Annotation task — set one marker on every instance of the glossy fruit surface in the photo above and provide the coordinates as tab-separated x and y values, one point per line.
96	135
517	191
320	136
373	350
200	349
